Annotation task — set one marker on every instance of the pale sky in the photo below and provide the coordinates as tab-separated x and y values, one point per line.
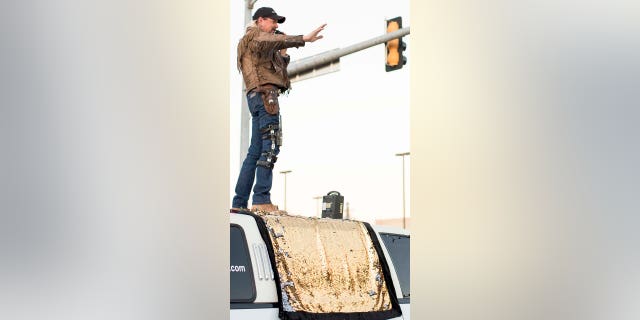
341	130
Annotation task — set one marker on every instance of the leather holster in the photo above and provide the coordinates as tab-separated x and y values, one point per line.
270	95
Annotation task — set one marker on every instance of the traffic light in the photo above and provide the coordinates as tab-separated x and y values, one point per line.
394	48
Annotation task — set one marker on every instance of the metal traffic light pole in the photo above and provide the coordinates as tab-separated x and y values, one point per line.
307	64
245	117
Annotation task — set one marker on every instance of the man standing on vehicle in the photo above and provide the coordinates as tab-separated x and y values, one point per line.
263	61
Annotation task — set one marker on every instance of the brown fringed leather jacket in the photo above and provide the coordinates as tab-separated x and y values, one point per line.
260	61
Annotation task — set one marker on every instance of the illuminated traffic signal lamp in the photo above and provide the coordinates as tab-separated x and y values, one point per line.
394	48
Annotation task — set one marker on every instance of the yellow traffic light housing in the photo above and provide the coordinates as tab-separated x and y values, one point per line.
394	48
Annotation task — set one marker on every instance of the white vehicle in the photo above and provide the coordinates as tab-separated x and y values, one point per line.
253	287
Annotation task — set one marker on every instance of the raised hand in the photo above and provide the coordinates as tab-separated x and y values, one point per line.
313	36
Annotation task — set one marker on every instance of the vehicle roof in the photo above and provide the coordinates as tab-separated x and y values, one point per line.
378	228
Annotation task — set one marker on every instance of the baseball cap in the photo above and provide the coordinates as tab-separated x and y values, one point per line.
266	12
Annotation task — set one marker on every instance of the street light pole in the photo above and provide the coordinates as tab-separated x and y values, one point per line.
285	187
403	154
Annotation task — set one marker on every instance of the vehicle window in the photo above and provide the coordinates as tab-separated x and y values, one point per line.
398	247
241	274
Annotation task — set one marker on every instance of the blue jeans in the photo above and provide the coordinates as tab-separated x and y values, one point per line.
250	170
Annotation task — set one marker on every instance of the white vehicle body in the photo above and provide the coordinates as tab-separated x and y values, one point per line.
262	300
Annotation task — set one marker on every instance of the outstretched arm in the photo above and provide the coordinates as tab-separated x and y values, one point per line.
265	41
269	41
